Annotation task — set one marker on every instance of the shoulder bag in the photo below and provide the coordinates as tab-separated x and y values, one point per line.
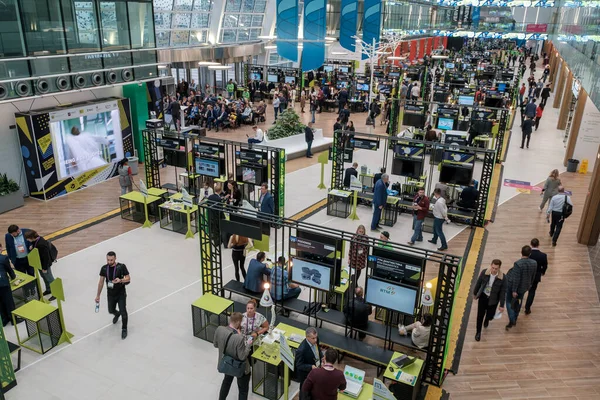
229	365
567	208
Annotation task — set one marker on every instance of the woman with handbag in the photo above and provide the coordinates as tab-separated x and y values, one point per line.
239	248
359	249
550	188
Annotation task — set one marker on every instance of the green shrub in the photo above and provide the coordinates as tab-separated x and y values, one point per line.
288	124
7	186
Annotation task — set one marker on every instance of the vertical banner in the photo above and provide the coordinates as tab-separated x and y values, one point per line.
371	22
348	18
422	48
315	19
287	29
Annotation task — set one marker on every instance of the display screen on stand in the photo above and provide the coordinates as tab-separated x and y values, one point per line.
311	274
392	296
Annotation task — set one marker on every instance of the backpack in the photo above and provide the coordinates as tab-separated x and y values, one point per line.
53	252
567	208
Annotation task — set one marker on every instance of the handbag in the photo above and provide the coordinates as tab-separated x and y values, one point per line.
229	365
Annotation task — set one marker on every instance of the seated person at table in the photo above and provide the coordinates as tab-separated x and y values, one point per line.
357	312
279	282
252	321
259	113
377	176
468	197
246	114
431	135
419	331
254	277
349	173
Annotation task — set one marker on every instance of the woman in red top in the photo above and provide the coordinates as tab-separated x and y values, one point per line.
359	248
323	383
538	115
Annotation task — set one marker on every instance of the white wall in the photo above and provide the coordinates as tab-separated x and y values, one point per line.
11	162
588	139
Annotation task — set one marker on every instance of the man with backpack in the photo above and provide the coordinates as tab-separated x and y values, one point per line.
560	208
116	277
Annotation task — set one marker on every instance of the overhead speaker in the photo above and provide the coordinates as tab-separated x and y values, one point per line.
79	81
96	78
23	88
111	77
63	83
127	75
42	86
3	91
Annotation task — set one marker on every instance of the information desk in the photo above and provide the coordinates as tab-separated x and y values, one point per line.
208	313
26	289
407	390
42	322
176	217
133	207
338	203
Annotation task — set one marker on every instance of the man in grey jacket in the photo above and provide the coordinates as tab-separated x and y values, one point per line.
238	348
519	279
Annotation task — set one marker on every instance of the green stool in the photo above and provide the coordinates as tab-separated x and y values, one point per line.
208	313
43	324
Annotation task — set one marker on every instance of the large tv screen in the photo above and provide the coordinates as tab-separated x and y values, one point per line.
445	124
311	274
457	175
207	167
391	296
87	142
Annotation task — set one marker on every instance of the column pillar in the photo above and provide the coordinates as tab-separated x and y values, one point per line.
554	66
567	96
560	85
577	116
589	224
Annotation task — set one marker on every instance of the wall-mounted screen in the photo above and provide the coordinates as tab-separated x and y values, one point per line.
394	74
328	68
86	142
207	167
253	175
466	100
411	168
272	78
458	175
502	87
255	76
342	85
445	124
343	69
290	79
411	265
311	274
449	65
364	87
392	296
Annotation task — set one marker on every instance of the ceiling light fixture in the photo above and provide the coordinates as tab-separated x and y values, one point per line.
270	47
331	39
396	58
207	63
219	67
339	53
267	37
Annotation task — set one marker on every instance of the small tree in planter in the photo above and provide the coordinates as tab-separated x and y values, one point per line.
10	194
288	124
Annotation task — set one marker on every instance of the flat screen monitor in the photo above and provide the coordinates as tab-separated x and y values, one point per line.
455	174
449	65
363	87
342	85
343	69
311	274
412	168
319	248
394	74
502	87
494	102
255	76
385	88
290	79
175	158
466	100
207	167
413	119
392	296
87	142
445	124
413	266
328	68
272	78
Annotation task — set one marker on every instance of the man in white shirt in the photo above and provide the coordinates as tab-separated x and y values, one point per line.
258	135
556	210
414	92
440	214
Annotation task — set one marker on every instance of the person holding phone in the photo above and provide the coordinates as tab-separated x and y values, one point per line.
116	277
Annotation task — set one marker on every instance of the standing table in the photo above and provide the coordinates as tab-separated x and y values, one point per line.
208	313
26	290
133	207
176	217
409	390
42	322
338	203
389	214
158	192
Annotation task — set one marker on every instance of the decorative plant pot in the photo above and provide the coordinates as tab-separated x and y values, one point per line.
11	201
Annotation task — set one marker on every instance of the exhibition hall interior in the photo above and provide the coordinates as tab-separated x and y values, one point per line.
284	199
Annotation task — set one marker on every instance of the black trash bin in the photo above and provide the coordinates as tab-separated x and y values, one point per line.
572	165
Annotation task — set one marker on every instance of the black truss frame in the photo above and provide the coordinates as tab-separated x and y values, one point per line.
449	269
151	161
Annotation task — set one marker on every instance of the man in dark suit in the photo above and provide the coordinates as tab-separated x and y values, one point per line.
17	249
349	173
468	197
266	204
7	303
357	312
379	200
526	130
308	356
309	136
542	266
256	270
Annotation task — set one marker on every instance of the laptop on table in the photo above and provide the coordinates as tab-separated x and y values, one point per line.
355	379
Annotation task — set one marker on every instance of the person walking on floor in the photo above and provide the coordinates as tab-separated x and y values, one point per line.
17	249
308	357
230	342
48	255
309	136
542	265
522	91
560	207
490	291
379	200
550	188
7	303
359	249
125	176
530	108
325	382
518	280
276	104
421	209
538	115
526	130
545	94
238	245
440	215
116	277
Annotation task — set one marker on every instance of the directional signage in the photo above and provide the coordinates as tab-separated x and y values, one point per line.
365	144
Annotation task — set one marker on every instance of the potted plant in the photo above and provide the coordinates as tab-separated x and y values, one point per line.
10	194
288	124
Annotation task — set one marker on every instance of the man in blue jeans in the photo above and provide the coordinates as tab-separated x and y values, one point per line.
379	200
421	209
280	282
440	215
519	279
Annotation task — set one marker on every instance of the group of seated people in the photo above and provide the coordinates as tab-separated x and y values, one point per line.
279	276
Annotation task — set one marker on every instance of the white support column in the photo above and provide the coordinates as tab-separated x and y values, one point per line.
216	20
